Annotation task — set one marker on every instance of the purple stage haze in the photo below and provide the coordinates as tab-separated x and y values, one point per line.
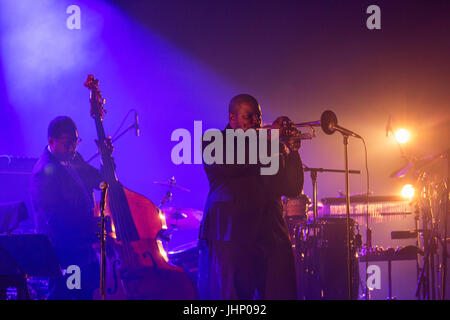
180	61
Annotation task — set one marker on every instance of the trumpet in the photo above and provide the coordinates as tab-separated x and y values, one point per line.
308	124
299	135
328	122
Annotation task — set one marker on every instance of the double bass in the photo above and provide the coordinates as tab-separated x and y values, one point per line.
136	264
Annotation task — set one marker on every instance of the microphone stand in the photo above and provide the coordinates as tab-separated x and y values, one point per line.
104	187
315	201
314	172
347	198
329	124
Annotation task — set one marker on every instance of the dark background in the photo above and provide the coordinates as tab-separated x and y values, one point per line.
180	61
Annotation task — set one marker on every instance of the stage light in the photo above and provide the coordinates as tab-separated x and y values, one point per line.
408	191
402	136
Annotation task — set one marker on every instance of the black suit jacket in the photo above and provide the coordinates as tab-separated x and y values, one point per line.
63	202
243	205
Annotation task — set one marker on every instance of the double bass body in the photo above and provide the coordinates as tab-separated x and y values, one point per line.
136	264
139	269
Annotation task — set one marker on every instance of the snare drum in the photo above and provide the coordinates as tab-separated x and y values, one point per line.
296	207
295	213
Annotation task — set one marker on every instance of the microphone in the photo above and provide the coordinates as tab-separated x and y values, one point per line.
389	127
347	132
328	122
136	123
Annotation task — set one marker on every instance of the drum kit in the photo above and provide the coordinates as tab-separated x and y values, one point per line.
430	176
326	248
320	246
179	239
314	240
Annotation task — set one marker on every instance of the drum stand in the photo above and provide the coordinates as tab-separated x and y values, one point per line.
431	244
428	268
315	184
315	202
446	217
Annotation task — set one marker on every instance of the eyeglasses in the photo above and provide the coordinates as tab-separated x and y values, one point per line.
70	142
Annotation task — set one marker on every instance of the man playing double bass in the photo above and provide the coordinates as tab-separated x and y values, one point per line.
62	185
244	246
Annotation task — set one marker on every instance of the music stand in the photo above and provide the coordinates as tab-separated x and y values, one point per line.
11	215
23	256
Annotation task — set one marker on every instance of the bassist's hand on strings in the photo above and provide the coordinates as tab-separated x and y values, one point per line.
106	148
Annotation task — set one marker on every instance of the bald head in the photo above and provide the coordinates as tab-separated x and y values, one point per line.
236	101
244	112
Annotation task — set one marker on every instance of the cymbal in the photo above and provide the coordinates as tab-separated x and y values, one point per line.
172	185
176	215
417	164
403	171
183	218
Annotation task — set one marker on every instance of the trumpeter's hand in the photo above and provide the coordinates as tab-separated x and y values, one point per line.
289	134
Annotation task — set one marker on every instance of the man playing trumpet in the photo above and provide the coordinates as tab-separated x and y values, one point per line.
245	250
